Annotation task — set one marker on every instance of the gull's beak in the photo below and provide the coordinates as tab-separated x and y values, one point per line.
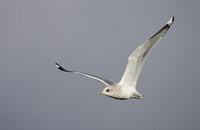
101	93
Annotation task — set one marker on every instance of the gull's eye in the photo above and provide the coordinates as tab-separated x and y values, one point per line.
107	90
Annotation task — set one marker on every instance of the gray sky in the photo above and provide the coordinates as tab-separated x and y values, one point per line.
97	37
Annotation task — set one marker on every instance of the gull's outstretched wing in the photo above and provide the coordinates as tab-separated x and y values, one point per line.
137	59
106	82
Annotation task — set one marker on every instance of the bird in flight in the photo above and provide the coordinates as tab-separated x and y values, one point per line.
126	88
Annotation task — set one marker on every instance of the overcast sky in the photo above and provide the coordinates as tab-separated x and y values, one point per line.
97	36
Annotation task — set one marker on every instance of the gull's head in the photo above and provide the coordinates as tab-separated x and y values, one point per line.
110	91
114	91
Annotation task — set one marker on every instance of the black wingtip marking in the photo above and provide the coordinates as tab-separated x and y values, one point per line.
59	67
57	64
173	19
167	26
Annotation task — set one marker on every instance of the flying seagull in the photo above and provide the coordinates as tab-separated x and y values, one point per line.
126	88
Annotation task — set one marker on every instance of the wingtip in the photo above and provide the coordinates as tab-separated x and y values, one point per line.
61	68
171	20
58	66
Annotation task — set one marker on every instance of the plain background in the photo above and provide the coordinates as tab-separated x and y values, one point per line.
97	36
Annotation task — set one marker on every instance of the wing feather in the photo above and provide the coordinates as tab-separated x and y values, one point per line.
137	59
105	81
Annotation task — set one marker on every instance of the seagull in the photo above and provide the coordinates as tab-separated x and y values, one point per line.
126	88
